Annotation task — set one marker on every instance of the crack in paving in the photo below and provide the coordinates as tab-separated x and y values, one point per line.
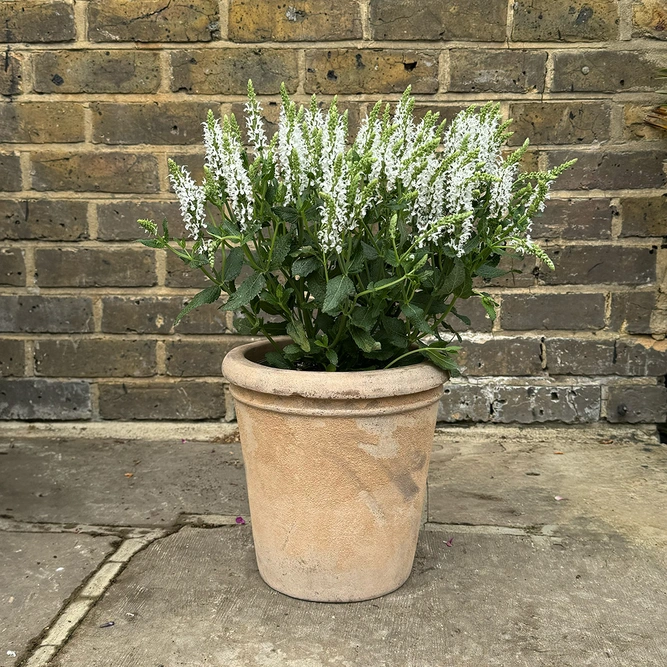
43	648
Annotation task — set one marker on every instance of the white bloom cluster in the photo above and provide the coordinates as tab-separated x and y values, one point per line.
224	161
192	199
449	181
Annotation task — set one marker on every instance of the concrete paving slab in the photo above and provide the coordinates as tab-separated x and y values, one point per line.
38	573
587	481
119	483
195	598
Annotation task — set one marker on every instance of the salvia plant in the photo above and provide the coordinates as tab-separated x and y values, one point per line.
360	251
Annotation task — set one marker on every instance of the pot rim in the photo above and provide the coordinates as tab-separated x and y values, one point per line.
241	371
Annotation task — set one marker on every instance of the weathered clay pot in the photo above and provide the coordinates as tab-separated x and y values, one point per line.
336	465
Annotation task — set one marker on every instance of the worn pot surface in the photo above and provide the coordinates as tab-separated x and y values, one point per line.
336	465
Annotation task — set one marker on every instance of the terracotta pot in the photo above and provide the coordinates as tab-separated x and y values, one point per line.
336	465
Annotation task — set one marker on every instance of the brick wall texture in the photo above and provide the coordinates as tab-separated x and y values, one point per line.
97	94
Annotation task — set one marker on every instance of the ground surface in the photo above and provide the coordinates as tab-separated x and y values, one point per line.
543	546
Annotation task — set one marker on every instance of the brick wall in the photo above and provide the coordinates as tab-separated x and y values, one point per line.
97	94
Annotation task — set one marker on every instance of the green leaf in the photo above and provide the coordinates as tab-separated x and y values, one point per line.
276	360
208	295
246	292
395	331
153	243
453	279
416	316
364	318
464	318
357	263
233	264
317	287
243	326
332	357
297	333
488	272
369	251
305	266
489	305
281	249
338	289
440	358
364	340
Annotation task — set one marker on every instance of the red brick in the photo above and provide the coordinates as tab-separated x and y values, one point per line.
501	356
86	71
12	356
367	71
10	172
153	21
634	404
605	264
581	312
12	267
497	71
304	20
93	267
506	404
610	170
574	219
157	315
565	20
631	312
41	122
51	314
649	19
226	71
43	219
644	216
198	358
37	21
117	220
560	122
603	71
95	172
438	20
94	357
181	401
160	123
37	399
11	74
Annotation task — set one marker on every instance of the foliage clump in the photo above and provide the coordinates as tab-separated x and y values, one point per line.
358	252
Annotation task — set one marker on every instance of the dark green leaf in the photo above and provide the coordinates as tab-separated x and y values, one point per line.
297	333
489	305
395	331
364	318
276	360
281	249
364	340
416	316
357	263
208	295
464	318
317	287
233	264
369	251
488	272
332	357
304	267
243	326
246	292
453	279
338	289
153	243
440	358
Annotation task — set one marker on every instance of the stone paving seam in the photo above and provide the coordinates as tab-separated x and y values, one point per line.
75	610
125	532
211	520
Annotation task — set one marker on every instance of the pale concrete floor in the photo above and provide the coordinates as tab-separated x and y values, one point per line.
126	554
